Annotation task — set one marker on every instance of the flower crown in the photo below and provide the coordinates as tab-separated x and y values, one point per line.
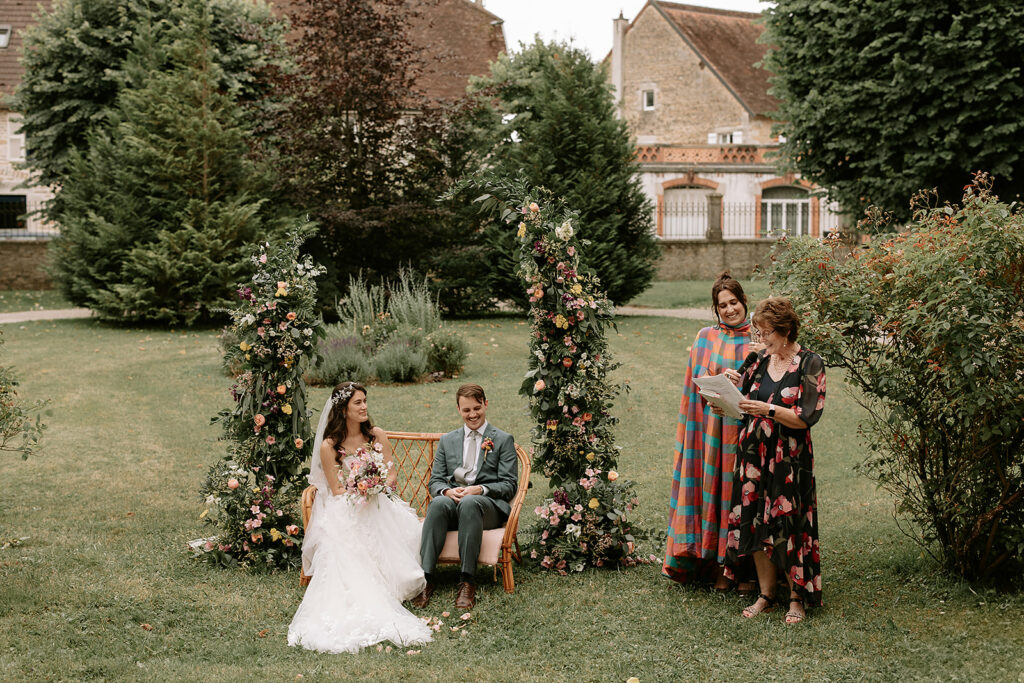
343	395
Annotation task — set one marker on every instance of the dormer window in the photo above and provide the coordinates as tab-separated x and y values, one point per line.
647	99
730	138
5	35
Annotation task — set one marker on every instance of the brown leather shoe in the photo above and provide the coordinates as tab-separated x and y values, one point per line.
465	596
423	598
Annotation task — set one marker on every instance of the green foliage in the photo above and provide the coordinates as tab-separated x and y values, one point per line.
159	213
342	359
883	97
76	56
548	113
395	328
399	361
446	351
567	384
21	424
279	326
929	327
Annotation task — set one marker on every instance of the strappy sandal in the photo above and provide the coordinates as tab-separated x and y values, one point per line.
792	616
753	611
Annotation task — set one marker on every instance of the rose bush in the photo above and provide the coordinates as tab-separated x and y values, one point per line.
929	325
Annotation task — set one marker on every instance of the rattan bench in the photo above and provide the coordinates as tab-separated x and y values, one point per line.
413	455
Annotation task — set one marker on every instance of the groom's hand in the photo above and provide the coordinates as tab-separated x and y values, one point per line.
456	494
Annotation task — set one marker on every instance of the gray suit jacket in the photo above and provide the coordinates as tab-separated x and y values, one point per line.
498	470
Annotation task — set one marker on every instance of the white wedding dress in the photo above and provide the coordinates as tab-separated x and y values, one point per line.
364	560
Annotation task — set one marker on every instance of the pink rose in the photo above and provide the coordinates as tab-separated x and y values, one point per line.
539	385
271	440
259	420
292	529
232	484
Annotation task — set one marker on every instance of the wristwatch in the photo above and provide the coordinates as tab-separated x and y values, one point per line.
771	411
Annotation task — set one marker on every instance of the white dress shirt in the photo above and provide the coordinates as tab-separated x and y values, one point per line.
471	454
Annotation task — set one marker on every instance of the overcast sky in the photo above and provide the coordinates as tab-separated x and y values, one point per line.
587	22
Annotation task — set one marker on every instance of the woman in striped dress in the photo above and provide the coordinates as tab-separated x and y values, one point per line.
705	456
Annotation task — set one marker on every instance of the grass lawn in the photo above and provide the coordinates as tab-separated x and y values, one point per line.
12	300
693	294
111	501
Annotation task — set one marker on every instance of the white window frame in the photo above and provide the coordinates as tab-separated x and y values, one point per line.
15	140
643	100
802	207
5	35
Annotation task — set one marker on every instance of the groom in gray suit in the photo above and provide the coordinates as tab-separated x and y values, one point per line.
473	478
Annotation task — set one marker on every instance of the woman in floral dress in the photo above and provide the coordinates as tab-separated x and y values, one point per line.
774	516
705	454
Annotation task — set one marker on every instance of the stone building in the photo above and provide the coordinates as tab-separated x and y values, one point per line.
15	201
687	83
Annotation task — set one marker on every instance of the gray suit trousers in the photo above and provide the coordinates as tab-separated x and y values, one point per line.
470	516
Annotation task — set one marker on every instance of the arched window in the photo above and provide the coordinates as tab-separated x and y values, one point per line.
684	213
785	209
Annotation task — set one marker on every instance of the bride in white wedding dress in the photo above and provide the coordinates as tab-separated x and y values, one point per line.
363	556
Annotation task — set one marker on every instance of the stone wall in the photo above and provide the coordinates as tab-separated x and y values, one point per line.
22	263
705	259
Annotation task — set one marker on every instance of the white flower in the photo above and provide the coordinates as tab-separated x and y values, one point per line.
572	529
578	567
248	319
564	231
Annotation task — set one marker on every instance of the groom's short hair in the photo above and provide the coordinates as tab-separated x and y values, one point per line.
473	391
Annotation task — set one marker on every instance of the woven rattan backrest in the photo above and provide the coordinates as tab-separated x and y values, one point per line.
413	456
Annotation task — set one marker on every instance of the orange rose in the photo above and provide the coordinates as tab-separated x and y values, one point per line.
567	362
298	443
259	420
232	484
281	389
291	315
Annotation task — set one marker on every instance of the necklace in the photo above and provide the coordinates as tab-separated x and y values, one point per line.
780	362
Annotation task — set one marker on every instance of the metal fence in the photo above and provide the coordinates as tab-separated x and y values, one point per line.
690	220
21	220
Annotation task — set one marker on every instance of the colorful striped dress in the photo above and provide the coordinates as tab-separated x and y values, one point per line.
702	477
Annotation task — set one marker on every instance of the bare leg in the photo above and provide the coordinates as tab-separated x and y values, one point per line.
766	580
796	611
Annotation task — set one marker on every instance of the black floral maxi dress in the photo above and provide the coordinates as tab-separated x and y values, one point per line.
774	503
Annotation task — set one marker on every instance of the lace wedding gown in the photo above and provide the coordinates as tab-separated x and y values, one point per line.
364	560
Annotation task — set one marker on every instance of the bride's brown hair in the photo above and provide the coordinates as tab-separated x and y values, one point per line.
337	424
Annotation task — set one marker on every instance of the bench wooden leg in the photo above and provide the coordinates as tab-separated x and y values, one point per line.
506	574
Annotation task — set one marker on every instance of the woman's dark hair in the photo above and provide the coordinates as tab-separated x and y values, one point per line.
727	282
337	425
778	313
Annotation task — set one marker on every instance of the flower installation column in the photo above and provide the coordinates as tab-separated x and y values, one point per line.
252	494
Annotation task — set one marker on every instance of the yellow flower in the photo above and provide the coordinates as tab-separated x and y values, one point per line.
256	490
560	321
244	346
593	504
205	512
522	230
286	409
274	534
577	289
591	456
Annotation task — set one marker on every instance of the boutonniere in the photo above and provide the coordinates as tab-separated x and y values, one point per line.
487	446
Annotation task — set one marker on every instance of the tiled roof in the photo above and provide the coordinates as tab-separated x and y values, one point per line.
459	39
17	14
727	41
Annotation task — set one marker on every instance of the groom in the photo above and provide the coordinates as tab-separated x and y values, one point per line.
473	478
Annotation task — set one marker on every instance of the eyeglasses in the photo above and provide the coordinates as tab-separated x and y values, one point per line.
764	334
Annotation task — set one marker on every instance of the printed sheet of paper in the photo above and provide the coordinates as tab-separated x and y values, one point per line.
721	393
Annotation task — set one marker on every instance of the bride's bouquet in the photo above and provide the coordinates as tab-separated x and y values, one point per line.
367	474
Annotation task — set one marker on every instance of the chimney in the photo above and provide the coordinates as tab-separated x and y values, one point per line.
621	25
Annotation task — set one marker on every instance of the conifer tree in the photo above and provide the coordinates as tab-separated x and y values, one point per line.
556	125
162	208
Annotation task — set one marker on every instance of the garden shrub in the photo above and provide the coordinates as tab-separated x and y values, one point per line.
342	359
399	361
21	424
231	356
446	351
929	326
393	322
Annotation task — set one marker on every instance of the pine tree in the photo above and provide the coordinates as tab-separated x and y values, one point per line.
557	126
160	212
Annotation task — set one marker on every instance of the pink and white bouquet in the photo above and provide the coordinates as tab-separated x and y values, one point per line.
367	473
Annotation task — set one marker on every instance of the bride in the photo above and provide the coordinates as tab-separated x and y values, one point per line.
362	555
